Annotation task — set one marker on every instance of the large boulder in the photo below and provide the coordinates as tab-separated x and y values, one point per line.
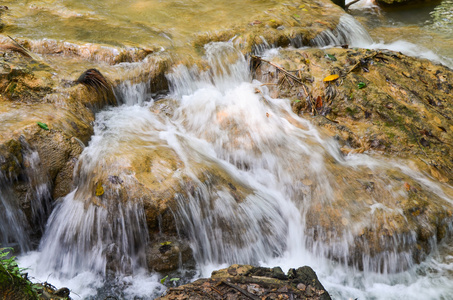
47	121
294	23
396	109
248	282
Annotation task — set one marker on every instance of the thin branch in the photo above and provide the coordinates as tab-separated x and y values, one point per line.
241	290
279	68
346	7
24	51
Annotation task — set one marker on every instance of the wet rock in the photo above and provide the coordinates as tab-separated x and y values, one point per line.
31	94
393	3
169	255
401	113
242	282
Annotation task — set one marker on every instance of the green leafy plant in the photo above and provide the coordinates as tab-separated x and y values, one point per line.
16	276
9	262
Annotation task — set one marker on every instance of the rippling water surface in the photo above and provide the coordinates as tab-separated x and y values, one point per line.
126	22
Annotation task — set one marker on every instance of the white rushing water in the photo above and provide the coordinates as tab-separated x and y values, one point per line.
278	163
350	32
14	225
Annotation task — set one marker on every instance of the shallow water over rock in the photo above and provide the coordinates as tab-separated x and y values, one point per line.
221	165
128	23
423	27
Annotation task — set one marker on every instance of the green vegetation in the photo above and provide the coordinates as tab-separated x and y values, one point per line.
13	280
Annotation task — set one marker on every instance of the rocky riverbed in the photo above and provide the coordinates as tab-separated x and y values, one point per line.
383	105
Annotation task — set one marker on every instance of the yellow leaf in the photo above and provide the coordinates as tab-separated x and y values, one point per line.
437	120
304	9
302	6
331	77
99	190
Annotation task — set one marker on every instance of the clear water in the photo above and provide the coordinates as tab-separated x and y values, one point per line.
223	121
425	27
144	23
282	163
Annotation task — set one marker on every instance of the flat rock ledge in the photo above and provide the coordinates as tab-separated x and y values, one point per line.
248	282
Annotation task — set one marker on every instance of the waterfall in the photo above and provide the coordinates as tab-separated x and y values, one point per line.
256	180
14	229
15	225
91	229
348	32
39	184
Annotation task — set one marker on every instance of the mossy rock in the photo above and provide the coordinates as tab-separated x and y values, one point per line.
396	108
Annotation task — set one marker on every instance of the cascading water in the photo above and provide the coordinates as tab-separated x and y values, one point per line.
282	160
40	190
350	32
279	169
14	229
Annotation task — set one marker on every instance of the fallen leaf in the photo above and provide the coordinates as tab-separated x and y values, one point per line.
319	102
267	115
331	77
331	57
99	189
407	186
43	125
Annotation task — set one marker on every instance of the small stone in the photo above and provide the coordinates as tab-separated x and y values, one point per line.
301	287
115	179
232	271
255	289
63	292
283	289
309	291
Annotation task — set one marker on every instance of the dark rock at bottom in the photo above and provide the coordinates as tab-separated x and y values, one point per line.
248	282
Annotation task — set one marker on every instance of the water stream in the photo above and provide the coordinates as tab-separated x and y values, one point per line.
282	166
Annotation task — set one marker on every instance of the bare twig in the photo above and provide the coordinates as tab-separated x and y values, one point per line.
241	290
279	68
346	7
24	51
